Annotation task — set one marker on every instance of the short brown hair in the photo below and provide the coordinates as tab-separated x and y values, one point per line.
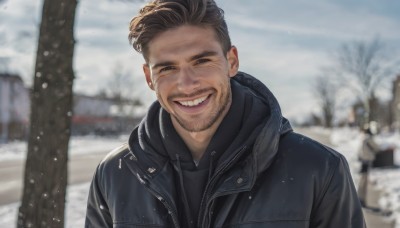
161	15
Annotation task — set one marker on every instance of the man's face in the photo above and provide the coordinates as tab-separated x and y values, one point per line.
191	76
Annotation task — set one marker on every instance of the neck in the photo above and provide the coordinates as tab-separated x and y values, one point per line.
197	142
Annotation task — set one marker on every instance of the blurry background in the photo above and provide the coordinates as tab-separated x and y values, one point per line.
286	44
331	64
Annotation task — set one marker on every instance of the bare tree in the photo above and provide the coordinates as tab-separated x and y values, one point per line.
45	177
363	67
45	181
325	91
120	83
120	88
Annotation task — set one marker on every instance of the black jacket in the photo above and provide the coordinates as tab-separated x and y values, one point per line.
279	180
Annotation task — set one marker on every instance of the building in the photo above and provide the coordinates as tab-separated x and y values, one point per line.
90	115
14	107
101	115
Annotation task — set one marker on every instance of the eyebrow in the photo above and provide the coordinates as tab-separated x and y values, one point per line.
198	56
162	64
204	54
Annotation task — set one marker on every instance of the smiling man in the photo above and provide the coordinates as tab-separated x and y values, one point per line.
214	149
190	73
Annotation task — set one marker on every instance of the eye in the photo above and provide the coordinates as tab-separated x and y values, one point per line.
167	68
200	61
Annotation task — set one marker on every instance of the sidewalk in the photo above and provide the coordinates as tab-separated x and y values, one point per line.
383	194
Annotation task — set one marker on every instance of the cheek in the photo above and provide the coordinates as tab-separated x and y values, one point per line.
212	69
161	99
161	93
162	83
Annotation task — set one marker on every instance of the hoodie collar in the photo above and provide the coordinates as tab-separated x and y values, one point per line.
151	137
244	116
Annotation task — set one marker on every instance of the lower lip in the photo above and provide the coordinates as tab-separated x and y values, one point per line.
194	109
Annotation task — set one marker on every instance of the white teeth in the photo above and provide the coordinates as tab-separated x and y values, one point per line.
193	102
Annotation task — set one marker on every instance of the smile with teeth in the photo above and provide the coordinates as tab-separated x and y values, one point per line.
194	102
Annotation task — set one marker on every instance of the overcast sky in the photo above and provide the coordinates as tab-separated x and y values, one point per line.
283	43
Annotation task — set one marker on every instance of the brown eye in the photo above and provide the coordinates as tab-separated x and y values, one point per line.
167	68
200	61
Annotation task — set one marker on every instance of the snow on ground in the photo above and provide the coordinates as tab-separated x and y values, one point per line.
75	208
78	145
76	194
385	182
347	141
344	140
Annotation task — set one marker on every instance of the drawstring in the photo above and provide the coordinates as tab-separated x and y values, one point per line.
185	200
210	170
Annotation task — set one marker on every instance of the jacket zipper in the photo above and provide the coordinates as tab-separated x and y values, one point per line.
173	213
207	194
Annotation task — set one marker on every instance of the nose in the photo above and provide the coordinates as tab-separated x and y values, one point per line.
187	81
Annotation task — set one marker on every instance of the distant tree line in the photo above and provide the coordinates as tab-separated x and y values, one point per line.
358	70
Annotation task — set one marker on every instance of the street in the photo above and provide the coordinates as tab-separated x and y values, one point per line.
81	168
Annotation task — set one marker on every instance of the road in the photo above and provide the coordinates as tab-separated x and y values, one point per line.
81	168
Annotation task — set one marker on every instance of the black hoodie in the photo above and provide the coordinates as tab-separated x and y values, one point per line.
244	118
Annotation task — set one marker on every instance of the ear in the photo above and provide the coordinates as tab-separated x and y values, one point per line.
233	61
147	73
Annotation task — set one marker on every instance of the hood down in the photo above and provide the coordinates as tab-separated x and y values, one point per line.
146	144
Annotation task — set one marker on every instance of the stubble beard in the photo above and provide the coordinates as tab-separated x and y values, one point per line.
214	116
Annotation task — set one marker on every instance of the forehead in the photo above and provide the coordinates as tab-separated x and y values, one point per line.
183	41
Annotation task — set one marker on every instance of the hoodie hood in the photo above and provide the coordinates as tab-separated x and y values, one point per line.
147	141
266	144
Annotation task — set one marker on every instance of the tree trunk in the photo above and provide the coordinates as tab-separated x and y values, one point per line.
327	112
45	179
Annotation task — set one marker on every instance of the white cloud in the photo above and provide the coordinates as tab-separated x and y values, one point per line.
282	43
311	18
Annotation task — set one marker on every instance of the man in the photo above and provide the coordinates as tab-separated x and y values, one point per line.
214	149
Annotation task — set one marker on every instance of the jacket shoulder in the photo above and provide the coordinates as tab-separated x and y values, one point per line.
309	159
114	158
304	149
316	165
335	200
116	153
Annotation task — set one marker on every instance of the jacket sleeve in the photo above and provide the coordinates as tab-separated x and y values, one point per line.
97	213
339	205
